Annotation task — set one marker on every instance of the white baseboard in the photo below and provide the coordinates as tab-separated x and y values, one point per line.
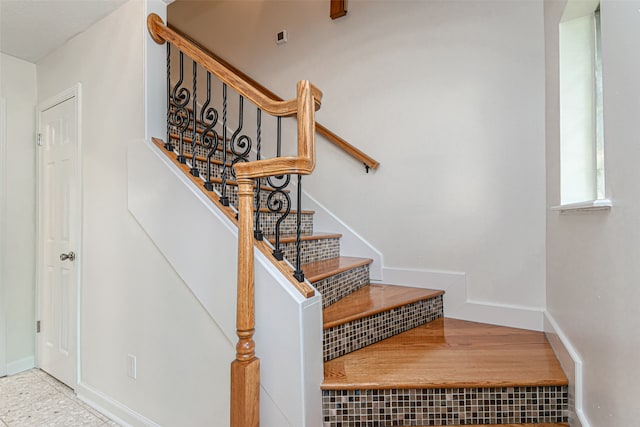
571	363
112	408
456	303
21	365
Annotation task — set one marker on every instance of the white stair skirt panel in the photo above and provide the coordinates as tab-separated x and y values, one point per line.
288	327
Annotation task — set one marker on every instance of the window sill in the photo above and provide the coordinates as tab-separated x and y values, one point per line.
591	205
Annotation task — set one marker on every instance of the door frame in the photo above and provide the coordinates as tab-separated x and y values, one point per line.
75	93
3	235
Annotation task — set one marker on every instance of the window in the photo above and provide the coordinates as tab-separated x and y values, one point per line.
581	112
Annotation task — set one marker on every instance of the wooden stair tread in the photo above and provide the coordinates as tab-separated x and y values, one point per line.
291	238
189	141
318	270
204	160
292	212
449	353
160	143
520	425
373	299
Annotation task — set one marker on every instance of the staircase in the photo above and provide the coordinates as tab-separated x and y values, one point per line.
391	358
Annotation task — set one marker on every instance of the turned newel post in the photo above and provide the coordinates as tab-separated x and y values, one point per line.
245	370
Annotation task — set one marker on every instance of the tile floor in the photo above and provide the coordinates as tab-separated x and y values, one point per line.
35	399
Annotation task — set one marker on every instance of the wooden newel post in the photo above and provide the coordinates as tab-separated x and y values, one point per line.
245	370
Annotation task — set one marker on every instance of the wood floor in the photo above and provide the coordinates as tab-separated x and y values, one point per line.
449	353
523	425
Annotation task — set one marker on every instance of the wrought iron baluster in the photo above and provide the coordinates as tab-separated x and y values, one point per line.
240	143
298	273
194	132
257	232
279	138
279	201
180	117
168	145
210	139
224	199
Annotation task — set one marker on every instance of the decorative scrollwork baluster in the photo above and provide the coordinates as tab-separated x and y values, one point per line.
257	232
209	138
279	201
180	117
194	132
224	199
240	144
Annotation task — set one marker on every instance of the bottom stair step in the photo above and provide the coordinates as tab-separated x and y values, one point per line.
375	312
447	372
522	425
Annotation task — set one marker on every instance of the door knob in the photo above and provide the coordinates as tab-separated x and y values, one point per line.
70	256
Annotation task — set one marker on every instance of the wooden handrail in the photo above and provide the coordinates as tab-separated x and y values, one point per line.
305	162
276	107
245	369
368	161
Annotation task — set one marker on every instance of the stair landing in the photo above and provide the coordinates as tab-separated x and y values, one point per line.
448	372
449	353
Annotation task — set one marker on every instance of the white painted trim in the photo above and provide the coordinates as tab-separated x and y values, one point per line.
456	303
297	351
514	316
591	205
3	233
564	346
72	92
454	283
154	75
21	365
110	407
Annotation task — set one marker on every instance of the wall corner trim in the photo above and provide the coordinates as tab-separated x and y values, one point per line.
3	222
563	346
456	303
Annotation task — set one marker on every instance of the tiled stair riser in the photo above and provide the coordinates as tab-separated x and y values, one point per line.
187	151
338	286
232	194
311	250
187	147
288	226
216	170
444	407
354	335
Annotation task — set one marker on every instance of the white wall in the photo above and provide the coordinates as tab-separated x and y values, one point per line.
449	96
18	87
288	326
592	258
133	302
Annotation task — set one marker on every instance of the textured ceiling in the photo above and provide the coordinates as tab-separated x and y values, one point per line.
31	29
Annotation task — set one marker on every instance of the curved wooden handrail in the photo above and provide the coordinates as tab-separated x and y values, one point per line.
155	25
276	107
305	162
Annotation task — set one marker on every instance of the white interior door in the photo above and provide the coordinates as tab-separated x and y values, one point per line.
58	239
